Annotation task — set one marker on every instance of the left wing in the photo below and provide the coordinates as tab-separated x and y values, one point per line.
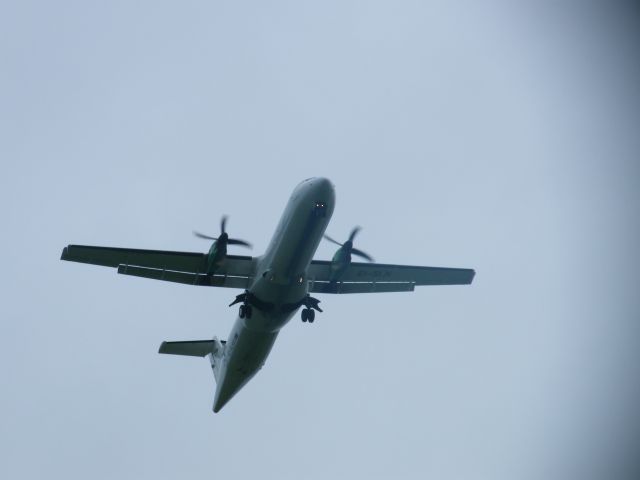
181	267
380	277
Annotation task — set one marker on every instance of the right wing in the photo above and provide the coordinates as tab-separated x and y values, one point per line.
380	277
181	267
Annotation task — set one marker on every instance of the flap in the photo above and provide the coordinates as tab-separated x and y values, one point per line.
186	278
360	287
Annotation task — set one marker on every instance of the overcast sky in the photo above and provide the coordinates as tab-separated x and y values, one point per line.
500	136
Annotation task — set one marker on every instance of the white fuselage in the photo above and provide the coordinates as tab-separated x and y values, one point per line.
279	282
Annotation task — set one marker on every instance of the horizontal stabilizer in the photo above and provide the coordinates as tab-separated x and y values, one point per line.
192	348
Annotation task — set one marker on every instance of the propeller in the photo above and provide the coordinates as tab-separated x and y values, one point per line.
224	237
348	245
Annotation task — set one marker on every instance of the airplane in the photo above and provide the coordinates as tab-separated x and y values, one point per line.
276	284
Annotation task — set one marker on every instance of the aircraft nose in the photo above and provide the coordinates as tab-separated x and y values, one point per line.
324	187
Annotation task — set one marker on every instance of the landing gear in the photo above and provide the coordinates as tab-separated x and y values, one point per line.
245	308
245	311
308	315
311	303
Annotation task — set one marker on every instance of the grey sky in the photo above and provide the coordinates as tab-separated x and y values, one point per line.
500	136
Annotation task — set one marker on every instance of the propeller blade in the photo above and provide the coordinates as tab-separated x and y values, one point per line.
360	253
202	235
223	224
235	241
332	240
353	233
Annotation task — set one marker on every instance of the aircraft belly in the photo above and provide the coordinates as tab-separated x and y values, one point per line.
302	237
245	353
298	234
278	301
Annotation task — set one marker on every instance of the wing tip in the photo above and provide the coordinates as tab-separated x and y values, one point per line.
472	275
65	253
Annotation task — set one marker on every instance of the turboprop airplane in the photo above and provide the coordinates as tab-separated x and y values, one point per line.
275	284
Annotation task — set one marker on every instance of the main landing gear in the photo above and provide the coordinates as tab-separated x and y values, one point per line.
308	314
245	311
248	301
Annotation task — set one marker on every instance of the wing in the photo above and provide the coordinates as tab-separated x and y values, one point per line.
181	267
380	277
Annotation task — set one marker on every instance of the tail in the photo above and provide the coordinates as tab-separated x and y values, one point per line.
214	349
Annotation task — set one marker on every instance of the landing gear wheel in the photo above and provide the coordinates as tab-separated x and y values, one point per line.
243	311
248	311
308	315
